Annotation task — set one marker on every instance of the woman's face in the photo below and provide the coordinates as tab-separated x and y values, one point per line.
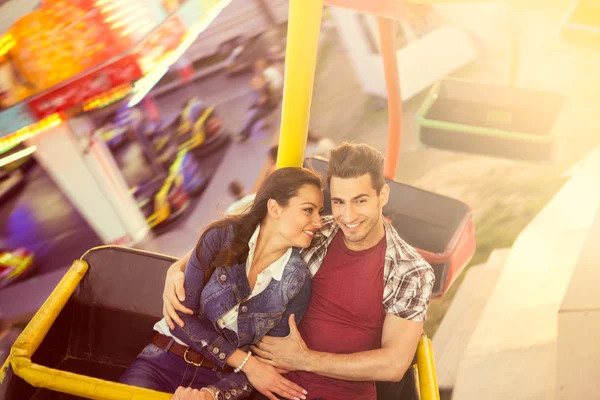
300	219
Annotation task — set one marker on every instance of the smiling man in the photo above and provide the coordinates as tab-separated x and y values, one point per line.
370	291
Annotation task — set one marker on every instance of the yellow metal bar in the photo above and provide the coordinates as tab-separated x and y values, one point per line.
304	24
426	365
81	385
54	379
36	330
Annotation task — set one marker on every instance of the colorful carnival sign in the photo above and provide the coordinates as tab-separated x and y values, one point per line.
75	93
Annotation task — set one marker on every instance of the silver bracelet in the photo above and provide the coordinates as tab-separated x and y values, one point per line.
238	369
211	393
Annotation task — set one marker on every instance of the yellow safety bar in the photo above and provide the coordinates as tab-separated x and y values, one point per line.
54	379
428	385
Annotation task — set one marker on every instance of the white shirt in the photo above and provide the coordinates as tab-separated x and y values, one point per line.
229	319
273	271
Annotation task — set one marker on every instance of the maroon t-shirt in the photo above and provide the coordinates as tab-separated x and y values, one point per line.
345	315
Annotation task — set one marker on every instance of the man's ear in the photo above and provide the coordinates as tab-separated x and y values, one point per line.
384	194
273	208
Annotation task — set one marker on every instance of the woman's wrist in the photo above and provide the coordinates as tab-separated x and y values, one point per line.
243	363
252	365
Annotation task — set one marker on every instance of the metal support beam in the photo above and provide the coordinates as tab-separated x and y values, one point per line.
304	24
387	38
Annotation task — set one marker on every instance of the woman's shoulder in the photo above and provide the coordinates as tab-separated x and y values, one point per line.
218	234
296	265
296	277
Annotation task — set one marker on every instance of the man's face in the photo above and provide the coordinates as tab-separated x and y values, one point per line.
357	209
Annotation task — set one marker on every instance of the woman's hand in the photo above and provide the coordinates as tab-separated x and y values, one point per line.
191	394
268	381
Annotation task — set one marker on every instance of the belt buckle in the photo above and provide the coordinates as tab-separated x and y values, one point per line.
195	364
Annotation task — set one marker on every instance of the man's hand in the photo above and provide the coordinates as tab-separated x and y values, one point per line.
268	381
191	394
289	353
174	293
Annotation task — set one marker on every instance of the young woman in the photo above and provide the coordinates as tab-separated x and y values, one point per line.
244	280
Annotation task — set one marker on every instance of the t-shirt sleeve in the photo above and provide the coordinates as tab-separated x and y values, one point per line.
412	290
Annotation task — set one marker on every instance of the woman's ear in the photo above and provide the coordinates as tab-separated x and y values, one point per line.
273	208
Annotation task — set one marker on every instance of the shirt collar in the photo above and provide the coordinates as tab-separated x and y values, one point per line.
330	228
276	268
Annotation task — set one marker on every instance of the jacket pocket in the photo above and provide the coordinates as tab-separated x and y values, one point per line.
219	283
263	323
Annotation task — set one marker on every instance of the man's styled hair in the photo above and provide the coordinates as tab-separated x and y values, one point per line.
354	160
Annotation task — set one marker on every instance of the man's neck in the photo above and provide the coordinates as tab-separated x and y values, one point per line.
373	237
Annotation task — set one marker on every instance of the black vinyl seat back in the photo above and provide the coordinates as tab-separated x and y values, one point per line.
425	220
107	321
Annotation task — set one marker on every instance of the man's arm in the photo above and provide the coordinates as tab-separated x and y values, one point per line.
389	363
174	293
399	344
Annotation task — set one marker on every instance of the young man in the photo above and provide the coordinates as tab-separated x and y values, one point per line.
370	291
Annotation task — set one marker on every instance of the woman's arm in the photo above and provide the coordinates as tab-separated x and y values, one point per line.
261	376
199	333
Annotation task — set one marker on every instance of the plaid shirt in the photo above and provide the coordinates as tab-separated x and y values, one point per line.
408	279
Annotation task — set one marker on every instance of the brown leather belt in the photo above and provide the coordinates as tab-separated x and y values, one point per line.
190	356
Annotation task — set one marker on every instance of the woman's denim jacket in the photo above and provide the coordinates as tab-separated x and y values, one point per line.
266	313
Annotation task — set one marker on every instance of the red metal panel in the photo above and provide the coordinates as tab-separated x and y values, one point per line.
456	256
89	85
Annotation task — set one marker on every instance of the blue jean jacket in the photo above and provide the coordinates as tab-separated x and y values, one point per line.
268	312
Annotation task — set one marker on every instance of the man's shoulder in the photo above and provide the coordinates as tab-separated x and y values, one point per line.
403	258
328	224
329	227
397	248
316	251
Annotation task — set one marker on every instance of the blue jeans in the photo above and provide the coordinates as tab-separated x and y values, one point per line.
158	369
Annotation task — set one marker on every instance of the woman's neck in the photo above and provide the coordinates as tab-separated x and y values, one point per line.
270	246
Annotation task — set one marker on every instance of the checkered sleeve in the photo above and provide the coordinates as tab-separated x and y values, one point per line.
314	255
410	288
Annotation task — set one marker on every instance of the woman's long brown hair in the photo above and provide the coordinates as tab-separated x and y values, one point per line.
281	185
